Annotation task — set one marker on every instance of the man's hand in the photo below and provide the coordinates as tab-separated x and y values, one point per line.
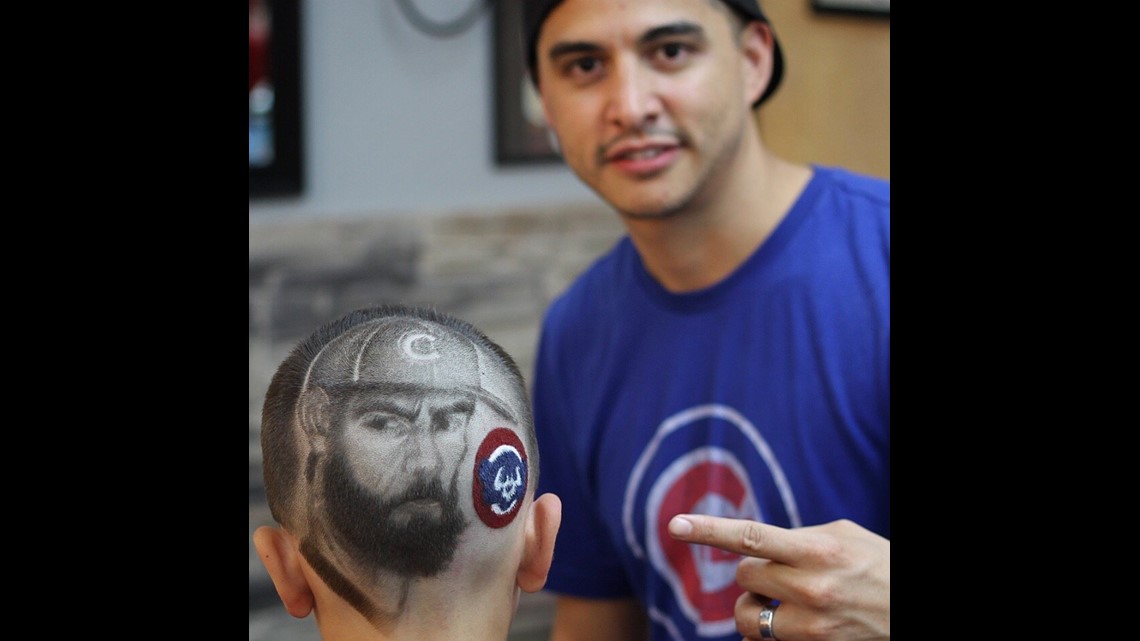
833	581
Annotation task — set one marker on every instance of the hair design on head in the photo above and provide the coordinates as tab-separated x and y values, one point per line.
388	434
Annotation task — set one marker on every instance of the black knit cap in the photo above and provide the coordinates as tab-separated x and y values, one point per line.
535	12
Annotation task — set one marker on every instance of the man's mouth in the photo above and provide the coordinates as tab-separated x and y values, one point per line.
642	160
641	154
417	508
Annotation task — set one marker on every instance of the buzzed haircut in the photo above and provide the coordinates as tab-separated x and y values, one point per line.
399	359
282	467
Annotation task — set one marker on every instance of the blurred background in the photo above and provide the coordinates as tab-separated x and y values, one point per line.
396	155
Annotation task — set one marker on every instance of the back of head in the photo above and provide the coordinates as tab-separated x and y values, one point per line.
398	447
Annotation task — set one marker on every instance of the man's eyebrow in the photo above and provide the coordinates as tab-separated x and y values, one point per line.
673	29
404	405
566	48
670	30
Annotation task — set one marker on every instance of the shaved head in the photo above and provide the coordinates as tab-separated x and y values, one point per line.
392	438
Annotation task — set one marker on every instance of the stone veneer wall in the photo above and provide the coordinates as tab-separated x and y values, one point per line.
496	270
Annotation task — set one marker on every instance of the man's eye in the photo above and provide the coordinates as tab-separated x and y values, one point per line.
383	422
586	64
585	67
673	52
446	421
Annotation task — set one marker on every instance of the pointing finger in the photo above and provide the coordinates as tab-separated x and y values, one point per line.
744	537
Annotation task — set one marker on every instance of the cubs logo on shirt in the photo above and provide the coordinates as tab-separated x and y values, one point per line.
730	472
500	477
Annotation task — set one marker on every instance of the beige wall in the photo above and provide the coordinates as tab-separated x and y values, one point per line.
834	106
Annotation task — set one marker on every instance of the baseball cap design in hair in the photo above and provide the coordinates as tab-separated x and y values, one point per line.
535	12
405	352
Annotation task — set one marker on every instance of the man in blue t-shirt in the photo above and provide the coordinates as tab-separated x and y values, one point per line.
712	396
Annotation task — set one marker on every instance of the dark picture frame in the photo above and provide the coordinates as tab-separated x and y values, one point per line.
871	8
521	135
275	151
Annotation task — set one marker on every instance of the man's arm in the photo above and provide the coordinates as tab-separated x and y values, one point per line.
578	619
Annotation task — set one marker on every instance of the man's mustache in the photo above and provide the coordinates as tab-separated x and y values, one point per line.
418	489
638	133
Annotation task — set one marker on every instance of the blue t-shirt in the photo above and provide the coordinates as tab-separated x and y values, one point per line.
764	397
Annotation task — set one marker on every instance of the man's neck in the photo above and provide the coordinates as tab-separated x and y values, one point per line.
698	247
435	611
398	607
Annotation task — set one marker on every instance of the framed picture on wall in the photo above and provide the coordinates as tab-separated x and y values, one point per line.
274	98
521	135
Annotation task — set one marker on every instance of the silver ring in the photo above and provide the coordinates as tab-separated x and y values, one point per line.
767	613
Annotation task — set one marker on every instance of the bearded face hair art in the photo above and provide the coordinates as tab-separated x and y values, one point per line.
399	414
401	395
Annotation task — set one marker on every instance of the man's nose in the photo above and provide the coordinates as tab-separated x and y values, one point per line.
633	99
419	453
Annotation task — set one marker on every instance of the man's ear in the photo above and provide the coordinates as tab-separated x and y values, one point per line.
282	558
548	123
758	48
314	409
541	529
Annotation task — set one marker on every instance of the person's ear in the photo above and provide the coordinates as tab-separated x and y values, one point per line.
551	133
758	49
314	409
541	529
283	561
